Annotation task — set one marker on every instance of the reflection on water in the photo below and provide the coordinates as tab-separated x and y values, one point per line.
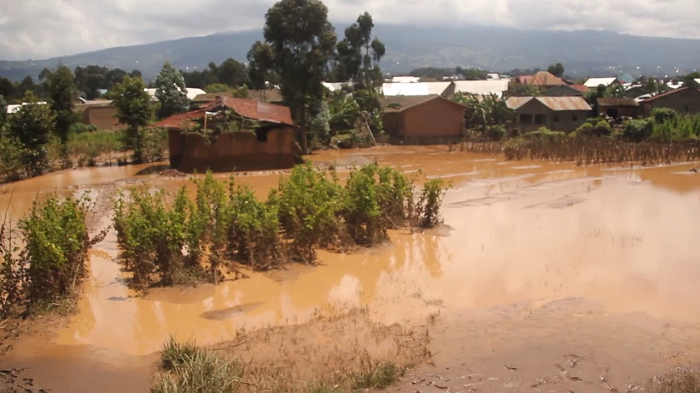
519	231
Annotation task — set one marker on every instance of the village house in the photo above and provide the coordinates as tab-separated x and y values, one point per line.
682	100
190	91
482	87
271	96
267	144
542	80
418	88
593	83
618	107
555	113
566	91
423	118
99	113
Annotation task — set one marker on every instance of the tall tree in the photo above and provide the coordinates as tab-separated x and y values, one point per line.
171	92
232	73
3	112
556	70
89	80
302	42
134	110
26	85
7	88
260	62
32	126
61	90
359	54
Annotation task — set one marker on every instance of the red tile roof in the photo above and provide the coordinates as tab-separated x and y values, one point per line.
260	111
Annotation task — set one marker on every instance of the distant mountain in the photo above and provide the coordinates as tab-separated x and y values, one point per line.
501	49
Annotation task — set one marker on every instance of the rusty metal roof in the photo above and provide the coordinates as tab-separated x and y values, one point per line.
260	111
617	102
553	103
544	78
405	102
668	93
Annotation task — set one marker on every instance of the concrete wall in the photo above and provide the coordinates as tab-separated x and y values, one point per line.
687	101
566	121
102	117
231	150
435	118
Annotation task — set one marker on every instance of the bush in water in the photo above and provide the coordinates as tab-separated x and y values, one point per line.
171	243
52	263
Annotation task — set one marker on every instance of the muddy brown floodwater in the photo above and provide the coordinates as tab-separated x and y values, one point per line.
546	277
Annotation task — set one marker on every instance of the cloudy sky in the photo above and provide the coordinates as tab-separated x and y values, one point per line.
40	29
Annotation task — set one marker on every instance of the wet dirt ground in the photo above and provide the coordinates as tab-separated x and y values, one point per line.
546	277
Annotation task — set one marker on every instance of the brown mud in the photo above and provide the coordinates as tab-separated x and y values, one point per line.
537	264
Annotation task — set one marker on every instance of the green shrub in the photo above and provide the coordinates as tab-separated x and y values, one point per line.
52	263
662	115
152	236
428	207
309	205
637	130
495	132
595	129
80	128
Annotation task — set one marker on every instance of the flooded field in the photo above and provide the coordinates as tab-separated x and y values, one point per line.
537	264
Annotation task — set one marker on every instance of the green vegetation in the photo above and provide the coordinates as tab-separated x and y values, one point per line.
50	266
171	92
486	115
302	42
187	368
29	131
172	239
134	110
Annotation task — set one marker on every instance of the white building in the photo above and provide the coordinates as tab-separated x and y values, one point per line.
405	79
592	83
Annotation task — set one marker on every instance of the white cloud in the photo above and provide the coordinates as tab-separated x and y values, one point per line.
47	28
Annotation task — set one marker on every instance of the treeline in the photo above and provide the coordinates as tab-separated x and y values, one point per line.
88	82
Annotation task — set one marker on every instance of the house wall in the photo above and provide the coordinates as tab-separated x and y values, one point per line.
231	150
687	101
435	118
628	111
102	117
532	109
566	121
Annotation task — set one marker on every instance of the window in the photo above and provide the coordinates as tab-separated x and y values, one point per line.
574	118
525	119
261	135
556	119
540	119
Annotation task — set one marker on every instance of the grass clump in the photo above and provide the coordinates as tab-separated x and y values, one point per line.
377	375
681	380
186	368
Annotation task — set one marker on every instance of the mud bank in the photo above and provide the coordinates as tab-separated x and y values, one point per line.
522	239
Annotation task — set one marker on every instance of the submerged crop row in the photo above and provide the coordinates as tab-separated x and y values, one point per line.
170	240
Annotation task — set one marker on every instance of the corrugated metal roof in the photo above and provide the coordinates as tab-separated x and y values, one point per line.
482	87
405	79
516	102
405	102
190	91
668	93
565	103
617	102
260	111
405	89
595	82
554	103
544	78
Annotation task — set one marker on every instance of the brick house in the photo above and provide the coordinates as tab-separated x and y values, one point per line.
556	113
